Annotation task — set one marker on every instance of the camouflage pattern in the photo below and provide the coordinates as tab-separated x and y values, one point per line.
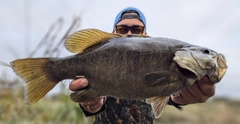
120	111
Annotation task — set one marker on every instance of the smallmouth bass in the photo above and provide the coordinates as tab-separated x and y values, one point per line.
123	66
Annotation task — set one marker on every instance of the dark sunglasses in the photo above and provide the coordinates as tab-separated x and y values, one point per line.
135	29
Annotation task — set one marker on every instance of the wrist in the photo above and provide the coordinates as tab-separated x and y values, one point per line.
177	105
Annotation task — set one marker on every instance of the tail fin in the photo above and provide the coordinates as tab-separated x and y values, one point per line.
35	72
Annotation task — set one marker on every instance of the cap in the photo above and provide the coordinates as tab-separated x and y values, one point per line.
141	17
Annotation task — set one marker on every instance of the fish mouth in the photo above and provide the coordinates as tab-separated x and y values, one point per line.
186	73
221	68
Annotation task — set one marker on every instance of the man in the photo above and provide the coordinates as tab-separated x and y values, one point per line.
114	110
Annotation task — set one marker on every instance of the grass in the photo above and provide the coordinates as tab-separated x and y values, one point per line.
214	111
60	109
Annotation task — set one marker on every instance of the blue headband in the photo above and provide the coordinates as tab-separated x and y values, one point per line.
119	16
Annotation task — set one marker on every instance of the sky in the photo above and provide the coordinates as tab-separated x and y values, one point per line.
214	24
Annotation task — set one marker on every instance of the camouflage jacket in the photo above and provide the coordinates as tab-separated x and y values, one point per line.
120	111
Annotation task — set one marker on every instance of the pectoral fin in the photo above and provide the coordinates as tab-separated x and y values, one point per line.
84	39
84	95
158	105
160	78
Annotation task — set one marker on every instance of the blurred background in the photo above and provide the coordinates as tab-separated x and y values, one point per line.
36	29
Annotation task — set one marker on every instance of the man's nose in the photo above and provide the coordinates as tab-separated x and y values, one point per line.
129	32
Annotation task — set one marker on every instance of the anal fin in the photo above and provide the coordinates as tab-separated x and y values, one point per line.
158	105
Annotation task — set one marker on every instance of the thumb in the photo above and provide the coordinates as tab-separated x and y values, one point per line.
78	84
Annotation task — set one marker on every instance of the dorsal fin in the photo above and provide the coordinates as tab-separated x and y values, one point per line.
83	39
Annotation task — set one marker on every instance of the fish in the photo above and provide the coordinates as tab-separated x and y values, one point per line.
124	66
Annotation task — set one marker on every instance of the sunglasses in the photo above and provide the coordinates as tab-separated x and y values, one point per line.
135	29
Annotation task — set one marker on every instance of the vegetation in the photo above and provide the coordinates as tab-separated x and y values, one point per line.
214	111
60	109
50	110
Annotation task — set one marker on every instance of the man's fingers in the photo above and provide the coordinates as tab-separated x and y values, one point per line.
78	84
94	105
206	86
93	101
196	92
184	98
199	92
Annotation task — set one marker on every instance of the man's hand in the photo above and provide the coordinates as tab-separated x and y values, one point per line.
199	92
92	106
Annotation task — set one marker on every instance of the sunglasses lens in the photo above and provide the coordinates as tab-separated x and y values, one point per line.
137	30
124	29
121	29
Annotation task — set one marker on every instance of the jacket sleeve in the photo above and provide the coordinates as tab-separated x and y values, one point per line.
171	102
87	114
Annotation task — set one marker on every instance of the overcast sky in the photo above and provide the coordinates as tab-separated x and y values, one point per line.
211	23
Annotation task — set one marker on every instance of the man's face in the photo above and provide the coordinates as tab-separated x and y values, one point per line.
130	26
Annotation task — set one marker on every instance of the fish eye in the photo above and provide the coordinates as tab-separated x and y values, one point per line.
206	51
